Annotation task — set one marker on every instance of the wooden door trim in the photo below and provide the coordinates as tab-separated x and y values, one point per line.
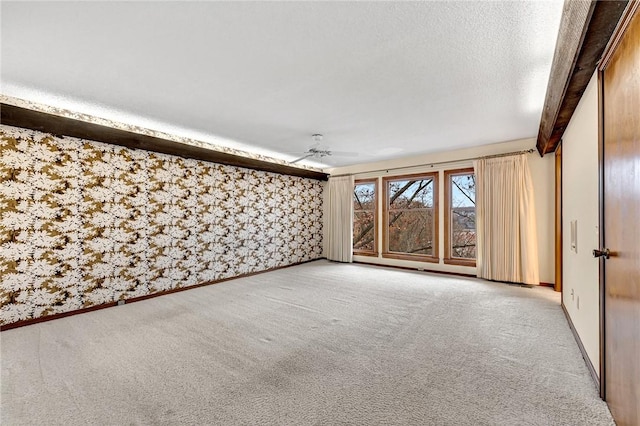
558	219
618	33
601	264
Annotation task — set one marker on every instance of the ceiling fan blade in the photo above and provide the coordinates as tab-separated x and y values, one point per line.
302	158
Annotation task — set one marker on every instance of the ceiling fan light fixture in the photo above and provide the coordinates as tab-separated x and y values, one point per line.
316	151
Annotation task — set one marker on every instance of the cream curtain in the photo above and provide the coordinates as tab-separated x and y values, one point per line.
339	219
507	239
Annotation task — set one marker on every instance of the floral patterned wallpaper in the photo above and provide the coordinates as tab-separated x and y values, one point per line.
85	223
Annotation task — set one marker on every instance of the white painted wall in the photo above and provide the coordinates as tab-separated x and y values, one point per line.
542	172
580	202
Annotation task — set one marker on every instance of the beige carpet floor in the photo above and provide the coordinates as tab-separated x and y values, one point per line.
320	343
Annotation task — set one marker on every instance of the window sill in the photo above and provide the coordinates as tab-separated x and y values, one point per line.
365	253
460	262
414	257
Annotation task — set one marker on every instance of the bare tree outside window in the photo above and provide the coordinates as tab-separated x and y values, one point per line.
410	220
462	215
410	210
364	217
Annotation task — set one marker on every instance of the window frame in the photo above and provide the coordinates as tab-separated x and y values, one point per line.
386	253
448	258
373	253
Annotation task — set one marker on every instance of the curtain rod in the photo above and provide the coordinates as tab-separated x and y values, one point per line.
506	154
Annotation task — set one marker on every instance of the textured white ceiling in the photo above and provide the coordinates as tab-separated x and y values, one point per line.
383	79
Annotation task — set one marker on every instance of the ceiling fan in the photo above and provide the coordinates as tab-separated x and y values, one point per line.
316	151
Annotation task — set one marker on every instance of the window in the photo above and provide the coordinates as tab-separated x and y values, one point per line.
460	217
365	208
411	217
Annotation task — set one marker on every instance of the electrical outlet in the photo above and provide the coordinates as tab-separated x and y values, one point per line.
578	302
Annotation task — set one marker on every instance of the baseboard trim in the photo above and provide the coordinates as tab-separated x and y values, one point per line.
587	361
458	274
52	317
408	268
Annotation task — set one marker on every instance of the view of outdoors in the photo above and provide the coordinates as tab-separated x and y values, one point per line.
363	217
411	225
463	216
410	210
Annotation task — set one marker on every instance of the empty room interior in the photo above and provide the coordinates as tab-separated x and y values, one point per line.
319	213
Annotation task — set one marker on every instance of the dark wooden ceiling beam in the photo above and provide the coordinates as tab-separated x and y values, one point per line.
49	123
585	28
